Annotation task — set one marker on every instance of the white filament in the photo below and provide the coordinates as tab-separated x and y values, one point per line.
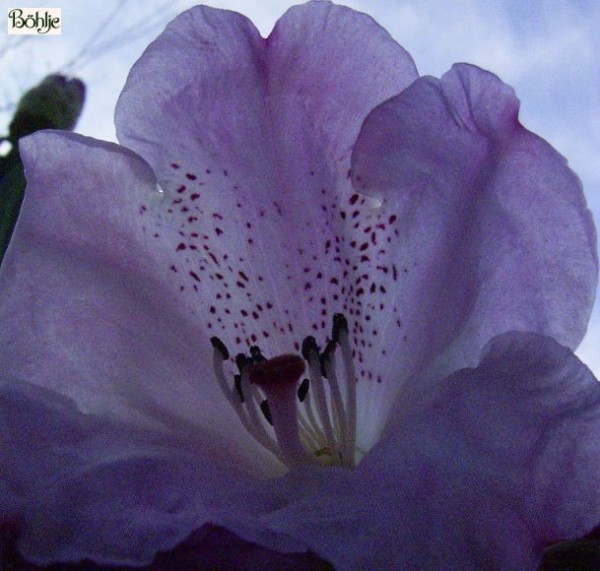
324	424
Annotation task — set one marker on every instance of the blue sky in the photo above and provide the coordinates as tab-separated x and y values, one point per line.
548	50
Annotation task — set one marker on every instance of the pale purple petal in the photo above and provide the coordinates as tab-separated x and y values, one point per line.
84	487
84	310
482	471
211	92
495	232
251	141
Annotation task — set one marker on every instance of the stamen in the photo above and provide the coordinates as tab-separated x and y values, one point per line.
264	406
220	355
310	352
256	354
237	383
241	361
220	346
339	324
257	427
278	378
247	414
339	416
303	390
311	422
340	333
310	439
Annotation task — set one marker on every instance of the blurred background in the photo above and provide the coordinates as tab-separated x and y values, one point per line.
548	50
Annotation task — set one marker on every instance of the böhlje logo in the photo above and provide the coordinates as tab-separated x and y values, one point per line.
34	21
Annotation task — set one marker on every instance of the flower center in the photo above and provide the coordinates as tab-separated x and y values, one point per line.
312	420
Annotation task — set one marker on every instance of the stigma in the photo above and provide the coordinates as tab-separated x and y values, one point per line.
302	408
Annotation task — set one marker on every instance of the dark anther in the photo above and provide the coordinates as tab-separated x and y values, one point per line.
237	383
308	346
264	406
322	364
340	324
326	356
256	354
220	347
303	390
241	361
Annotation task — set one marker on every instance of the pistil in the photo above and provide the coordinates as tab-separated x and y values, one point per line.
278	378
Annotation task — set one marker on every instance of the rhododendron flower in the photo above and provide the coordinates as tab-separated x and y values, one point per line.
313	300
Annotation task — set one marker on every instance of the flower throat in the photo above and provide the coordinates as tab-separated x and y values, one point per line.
300	419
